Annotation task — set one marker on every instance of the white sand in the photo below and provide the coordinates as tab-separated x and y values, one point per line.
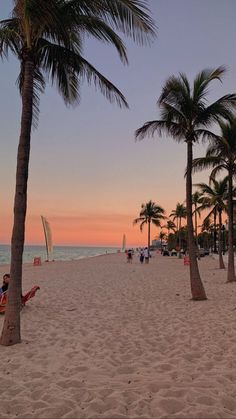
103	338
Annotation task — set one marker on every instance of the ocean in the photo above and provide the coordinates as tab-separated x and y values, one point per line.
59	252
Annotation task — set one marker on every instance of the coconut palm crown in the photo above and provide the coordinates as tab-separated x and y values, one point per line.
150	213
179	213
47	38
186	116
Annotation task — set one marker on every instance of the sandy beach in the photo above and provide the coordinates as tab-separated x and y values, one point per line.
104	338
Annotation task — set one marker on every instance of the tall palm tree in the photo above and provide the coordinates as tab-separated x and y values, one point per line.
215	197
170	226
150	213
209	228
162	236
47	38
185	116
221	155
177	214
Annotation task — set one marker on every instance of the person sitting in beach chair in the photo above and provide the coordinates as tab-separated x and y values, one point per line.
24	298
4	287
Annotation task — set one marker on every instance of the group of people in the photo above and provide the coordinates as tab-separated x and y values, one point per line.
144	255
5	283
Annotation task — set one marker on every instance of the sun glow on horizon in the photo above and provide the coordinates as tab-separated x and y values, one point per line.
105	231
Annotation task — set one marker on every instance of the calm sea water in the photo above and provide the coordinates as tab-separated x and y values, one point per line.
59	252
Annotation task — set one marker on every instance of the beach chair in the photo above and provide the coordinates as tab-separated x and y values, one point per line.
3	302
30	294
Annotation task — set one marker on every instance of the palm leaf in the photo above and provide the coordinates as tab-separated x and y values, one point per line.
161	127
67	69
130	17
204	163
201	82
100	30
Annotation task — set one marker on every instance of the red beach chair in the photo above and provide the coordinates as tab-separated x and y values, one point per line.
3	302
30	294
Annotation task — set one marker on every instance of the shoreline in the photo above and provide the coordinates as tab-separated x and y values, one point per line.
67	258
105	338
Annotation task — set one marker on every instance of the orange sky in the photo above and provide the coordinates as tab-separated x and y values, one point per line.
88	176
102	231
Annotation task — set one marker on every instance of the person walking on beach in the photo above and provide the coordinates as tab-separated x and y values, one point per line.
141	257
129	256
146	255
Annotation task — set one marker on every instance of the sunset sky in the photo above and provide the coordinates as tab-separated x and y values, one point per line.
87	175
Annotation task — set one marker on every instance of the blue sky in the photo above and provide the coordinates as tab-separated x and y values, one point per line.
85	163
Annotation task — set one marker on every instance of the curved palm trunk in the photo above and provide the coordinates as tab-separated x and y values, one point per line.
197	289
221	262
231	269
11	328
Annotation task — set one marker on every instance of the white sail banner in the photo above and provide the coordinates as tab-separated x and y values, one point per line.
48	235
124	242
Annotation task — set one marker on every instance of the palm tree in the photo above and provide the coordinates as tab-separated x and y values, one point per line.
205	235
221	155
162	237
215	198
177	214
150	213
185	116
208	228
47	38
170	225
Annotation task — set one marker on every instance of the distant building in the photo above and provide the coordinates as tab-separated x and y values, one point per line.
156	244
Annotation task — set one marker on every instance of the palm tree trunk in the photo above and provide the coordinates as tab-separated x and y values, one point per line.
180	243
221	262
149	222
11	333
195	218
215	250
197	289
196	239
231	269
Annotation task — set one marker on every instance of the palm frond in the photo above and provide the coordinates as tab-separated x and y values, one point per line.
131	17
206	135
202	80
100	30
204	163
222	108
68	69
9	40
217	170
159	127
